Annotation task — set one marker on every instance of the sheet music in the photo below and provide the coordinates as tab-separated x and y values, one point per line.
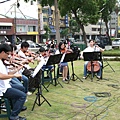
62	58
39	66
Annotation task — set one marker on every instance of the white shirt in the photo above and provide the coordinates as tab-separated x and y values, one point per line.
91	49
4	84
20	53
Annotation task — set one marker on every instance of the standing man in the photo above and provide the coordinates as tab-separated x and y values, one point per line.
16	96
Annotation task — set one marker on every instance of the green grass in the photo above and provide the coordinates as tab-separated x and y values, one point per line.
68	102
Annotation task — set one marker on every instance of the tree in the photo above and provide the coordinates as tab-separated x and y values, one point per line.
64	32
106	8
47	29
73	27
84	11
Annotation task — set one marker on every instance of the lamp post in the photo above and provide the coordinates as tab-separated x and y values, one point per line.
14	36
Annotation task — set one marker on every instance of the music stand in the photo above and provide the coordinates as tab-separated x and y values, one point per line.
37	75
92	56
107	64
55	59
70	57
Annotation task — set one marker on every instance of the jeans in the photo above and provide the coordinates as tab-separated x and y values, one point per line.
49	67
99	73
15	83
18	97
25	82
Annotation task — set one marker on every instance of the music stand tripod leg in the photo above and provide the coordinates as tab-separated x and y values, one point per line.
73	74
56	79
108	65
38	95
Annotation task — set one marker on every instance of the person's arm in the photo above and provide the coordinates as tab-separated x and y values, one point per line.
81	55
4	76
15	71
101	49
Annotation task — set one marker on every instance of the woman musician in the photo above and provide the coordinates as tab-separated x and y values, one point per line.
64	65
91	48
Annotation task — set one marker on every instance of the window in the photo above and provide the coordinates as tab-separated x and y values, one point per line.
93	29
20	28
5	27
31	28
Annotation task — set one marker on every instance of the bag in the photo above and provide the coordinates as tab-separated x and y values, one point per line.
28	72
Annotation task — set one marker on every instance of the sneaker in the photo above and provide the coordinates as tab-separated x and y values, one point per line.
98	77
52	69
22	118
3	108
26	100
84	77
29	93
65	81
19	118
24	108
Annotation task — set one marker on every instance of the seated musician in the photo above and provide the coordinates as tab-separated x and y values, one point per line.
19	63
91	48
45	55
64	65
23	53
17	96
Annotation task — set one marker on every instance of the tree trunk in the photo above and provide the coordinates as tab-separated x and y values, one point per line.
107	32
84	34
57	22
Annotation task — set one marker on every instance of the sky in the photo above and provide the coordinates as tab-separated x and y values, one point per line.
25	9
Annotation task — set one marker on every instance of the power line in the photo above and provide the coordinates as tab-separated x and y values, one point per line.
4	1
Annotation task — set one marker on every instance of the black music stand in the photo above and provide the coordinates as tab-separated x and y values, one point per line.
39	91
70	57
55	59
107	64
92	56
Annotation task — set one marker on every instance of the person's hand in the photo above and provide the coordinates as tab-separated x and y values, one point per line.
17	75
81	57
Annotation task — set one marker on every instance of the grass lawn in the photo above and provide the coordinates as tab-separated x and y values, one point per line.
97	100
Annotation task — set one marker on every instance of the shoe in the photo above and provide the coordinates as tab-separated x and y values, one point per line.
29	93
22	118
19	118
52	69
65	81
84	77
3	108
26	100
98	77
24	108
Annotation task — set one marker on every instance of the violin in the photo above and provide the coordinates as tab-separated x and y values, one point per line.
65	50
93	65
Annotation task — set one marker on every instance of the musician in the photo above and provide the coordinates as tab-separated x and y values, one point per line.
45	55
91	48
64	65
17	96
22	53
15	60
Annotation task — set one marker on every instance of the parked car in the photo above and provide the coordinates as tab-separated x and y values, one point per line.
32	45
102	41
116	42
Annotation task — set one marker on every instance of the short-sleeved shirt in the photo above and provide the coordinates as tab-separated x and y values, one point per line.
4	84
